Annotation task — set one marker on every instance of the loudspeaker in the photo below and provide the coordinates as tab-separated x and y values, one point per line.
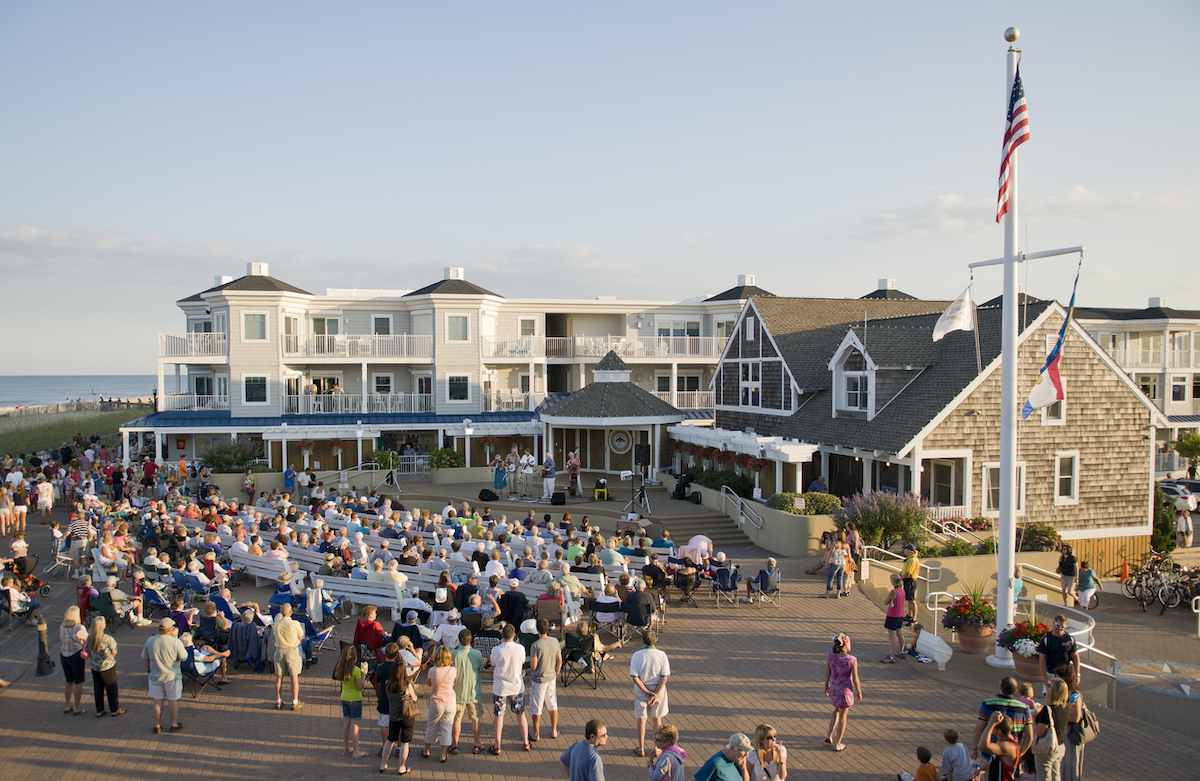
558	497
694	497
488	495
641	455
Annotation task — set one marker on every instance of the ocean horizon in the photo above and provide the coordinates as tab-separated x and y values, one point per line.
37	390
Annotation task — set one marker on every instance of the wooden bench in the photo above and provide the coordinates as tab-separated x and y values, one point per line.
259	566
383	594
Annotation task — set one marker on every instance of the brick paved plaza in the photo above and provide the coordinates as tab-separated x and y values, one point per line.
733	669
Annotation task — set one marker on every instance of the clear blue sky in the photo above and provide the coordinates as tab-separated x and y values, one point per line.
645	150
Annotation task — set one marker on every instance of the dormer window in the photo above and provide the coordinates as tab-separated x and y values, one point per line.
856	383
856	391
751	383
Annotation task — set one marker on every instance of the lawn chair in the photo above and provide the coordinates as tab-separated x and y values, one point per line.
104	606
725	586
615	625
581	662
685	584
200	592
6	610
552	611
225	609
484	645
313	639
152	601
62	557
195	681
767	584
182	587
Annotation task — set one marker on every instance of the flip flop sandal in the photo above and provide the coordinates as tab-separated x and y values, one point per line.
477	749
495	751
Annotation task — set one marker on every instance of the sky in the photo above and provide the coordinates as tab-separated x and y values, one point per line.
642	150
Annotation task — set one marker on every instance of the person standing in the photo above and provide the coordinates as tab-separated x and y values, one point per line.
511	464
545	662
508	686
582	760
467	688
72	638
439	725
401	697
650	669
1089	584
908	574
1056	649
1072	764
163	655
288	635
836	576
548	475
728	764
45	497
894	622
527	462
1183	528
289	480
1053	716
666	761
103	661
353	678
841	687
1067	564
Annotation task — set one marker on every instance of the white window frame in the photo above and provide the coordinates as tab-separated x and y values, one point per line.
416	384
266	378
524	382
1152	394
521	321
449	400
865	395
467	340
1073	498
266	327
750	384
1052	418
391	378
724	328
749	329
390	324
1183	383
986	484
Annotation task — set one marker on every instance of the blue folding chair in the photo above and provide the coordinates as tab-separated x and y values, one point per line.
313	638
152	601
725	586
182	587
200	591
224	608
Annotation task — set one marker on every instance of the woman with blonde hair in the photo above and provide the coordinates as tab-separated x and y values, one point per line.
442	703
400	726
72	638
768	760
1052	717
103	661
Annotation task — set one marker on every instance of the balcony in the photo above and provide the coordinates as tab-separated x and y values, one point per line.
352	404
194	345
688	399
651	346
192	402
358	346
506	401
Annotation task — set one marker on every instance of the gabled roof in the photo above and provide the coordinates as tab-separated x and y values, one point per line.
617	400
452	287
1149	313
890	294
740	293
612	363
255	283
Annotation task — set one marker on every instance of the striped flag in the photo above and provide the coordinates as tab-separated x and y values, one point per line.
1050	386
1016	132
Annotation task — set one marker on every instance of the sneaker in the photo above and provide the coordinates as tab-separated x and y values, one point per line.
888	659
747	600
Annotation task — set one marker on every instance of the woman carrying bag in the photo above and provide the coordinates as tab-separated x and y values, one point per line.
102	659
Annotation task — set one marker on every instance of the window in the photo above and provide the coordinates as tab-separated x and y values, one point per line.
1055	414
1179	389
203	385
291	334
1066	477
458	387
1151	347
1149	383
1196	386
725	328
383	383
751	384
991	488
325	334
254	327
254	389
381	325
523	383
457	328
201	326
857	391
684	383
528	326
749	329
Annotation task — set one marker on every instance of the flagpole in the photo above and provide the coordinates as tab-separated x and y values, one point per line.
1006	542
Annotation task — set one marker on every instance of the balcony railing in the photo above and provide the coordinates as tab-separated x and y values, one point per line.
688	399
189	402
949	511
1166	462
352	403
506	401
651	346
195	345
515	346
359	346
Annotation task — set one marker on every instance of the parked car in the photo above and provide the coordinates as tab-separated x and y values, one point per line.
1175	492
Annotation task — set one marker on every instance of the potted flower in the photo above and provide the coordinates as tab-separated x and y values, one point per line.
336	445
973	618
1022	639
305	445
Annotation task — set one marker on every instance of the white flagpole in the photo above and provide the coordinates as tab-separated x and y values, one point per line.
1006	542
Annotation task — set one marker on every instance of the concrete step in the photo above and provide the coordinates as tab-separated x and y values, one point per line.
721	530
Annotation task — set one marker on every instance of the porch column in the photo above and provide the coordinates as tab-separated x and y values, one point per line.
824	468
779	477
656	443
365	409
270	460
125	443
582	375
674	379
866	477
162	390
529	400
178	380
466	448
358	437
283	462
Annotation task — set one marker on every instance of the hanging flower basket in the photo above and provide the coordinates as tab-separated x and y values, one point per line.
306	444
758	464
517	439
336	444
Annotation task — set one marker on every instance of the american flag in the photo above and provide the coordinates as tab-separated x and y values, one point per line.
1016	132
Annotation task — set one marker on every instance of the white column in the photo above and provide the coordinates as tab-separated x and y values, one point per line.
161	386
270	460
824	468
467	448
655	444
674	380
866	476
178	380
125	439
779	478
582	375
364	396
283	462
530	404
359	438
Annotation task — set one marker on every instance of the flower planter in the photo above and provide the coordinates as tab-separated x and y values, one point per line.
1029	668
976	640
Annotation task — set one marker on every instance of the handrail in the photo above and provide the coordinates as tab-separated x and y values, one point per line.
954	528
928	578
744	510
1021	566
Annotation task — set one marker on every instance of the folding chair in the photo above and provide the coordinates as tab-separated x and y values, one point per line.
552	611
193	678
685	584
104	606
62	557
473	621
153	601
638	618
6	609
615	625
200	592
768	586
225	609
725	586
581	662
182	587
313	639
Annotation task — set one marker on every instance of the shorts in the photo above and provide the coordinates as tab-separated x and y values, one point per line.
288	662
642	708
513	702
20	508
401	731
166	690
910	589
352	709
385	719
1067	581
5	510
468	709
893	622
72	667
543	695
45	504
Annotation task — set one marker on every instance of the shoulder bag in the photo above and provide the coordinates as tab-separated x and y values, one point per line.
409	705
1048	743
1086	729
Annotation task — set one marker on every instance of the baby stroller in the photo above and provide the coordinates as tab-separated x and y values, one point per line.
23	569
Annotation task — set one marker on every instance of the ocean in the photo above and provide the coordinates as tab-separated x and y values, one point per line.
32	391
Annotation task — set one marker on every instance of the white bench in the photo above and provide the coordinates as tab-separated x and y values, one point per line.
383	594
259	566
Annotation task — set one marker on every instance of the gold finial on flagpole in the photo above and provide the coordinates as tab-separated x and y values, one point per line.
1012	34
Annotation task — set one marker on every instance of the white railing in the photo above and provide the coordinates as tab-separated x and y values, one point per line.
651	346
1137	359
949	511
560	346
929	570
399	402
214	344
186	402
688	399
1051	583
1166	462
352	403
506	401
952	529
360	346
1179	359
745	511
513	346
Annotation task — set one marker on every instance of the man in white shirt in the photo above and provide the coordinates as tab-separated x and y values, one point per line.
302	480
449	508
649	669
527	462
508	685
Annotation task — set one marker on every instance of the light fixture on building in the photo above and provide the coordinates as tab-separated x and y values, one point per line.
467	430
180	442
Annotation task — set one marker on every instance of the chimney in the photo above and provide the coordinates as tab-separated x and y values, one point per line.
222	279
1157	302
257	270
455	272
887	284
745	280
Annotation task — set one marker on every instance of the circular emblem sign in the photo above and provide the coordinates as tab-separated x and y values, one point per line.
620	441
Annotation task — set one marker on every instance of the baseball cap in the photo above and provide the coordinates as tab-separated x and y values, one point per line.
166	623
514	582
740	742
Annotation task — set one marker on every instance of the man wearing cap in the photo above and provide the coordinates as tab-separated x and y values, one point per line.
513	603
545	663
908	574
163	655
582	760
649	669
288	634
728	764
468	687
447	634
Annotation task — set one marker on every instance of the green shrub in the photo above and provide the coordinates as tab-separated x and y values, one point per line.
1037	537
232	455
783	500
930	551
256	468
387	459
446	458
884	517
988	546
1162	536
959	547
816	503
739	484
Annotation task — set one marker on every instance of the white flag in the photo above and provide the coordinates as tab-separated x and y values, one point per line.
959	316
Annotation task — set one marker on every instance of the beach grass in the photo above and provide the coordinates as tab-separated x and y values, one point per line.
31	433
